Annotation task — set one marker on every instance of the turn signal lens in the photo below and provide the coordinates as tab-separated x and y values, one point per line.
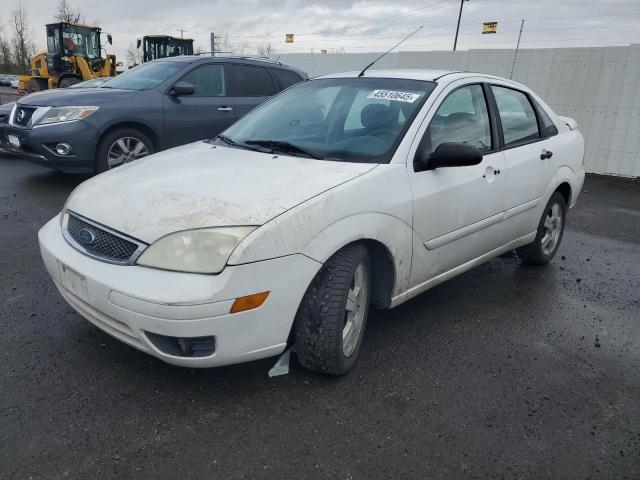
249	302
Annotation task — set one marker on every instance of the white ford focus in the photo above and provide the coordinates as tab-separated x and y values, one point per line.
341	192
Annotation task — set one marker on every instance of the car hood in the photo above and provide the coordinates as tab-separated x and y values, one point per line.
76	96
199	185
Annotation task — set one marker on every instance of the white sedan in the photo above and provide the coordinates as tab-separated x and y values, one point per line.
340	193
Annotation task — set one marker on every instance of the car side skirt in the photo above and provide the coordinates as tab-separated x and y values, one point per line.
432	282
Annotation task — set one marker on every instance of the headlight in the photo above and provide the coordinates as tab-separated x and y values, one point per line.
205	250
65	114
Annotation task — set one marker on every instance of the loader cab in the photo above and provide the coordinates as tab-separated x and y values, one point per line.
162	46
67	40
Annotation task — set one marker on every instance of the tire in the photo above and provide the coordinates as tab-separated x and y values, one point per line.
68	81
36	85
549	235
109	146
321	335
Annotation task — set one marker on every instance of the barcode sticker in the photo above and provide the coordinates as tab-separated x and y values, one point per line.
394	95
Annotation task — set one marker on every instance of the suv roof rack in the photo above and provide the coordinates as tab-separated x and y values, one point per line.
243	57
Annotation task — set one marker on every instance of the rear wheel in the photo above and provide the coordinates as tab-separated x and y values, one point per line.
121	146
36	85
68	81
549	235
331	319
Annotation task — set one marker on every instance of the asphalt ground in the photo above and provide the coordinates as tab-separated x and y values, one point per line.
507	371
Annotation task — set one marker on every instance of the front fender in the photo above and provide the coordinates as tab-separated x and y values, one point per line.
375	206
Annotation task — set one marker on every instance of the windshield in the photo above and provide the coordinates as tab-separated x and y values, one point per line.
349	119
143	77
78	41
155	48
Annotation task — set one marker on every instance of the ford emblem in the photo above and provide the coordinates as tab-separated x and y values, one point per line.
86	236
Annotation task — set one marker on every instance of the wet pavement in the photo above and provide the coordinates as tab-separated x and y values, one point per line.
507	371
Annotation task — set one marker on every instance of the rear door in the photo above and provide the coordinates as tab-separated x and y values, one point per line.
284	78
250	85
204	114
529	168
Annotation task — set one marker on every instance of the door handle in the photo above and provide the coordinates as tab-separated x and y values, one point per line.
224	109
546	154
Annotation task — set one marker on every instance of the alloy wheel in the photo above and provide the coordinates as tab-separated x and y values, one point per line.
125	150
355	310
552	229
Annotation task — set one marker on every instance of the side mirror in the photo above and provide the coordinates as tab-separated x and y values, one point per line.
448	154
138	43
109	39
182	88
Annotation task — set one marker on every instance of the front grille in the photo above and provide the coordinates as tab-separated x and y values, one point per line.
22	115
99	242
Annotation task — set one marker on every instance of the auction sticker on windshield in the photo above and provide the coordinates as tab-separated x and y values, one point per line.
394	95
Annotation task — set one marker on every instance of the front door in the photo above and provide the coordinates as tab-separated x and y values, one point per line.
204	114
458	210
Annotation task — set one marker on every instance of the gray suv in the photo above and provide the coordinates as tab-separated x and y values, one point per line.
158	105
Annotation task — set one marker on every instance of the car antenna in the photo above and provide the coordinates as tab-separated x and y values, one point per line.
405	38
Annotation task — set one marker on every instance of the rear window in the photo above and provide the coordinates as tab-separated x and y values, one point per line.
250	81
518	118
285	78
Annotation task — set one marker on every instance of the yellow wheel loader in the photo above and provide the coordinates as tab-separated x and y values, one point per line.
73	55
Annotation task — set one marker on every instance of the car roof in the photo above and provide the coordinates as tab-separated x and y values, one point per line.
203	58
417	74
228	58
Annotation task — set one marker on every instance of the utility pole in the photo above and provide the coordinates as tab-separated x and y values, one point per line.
515	55
455	42
181	30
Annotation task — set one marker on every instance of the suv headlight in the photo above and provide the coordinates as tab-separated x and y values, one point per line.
205	250
65	114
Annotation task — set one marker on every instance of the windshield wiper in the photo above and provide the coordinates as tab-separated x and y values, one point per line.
233	143
285	147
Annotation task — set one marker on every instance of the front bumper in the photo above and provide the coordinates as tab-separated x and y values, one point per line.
127	301
36	144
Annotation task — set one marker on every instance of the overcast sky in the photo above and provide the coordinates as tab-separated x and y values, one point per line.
356	26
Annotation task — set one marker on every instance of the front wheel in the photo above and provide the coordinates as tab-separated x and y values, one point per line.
331	319
68	81
121	146
549	235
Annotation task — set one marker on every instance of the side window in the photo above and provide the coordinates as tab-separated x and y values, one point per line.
249	81
519	123
549	128
285	78
462	117
208	80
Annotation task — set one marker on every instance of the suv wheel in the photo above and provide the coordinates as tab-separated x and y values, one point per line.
122	146
550	230
331	319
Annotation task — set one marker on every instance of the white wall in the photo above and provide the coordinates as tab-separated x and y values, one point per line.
599	87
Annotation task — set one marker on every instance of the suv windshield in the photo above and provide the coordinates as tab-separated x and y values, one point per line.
144	77
349	119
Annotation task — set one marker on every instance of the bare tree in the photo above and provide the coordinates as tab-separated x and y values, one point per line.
134	55
66	13
22	43
240	48
6	58
265	49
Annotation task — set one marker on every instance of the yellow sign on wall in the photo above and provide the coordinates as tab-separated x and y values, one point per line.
489	27
288	38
